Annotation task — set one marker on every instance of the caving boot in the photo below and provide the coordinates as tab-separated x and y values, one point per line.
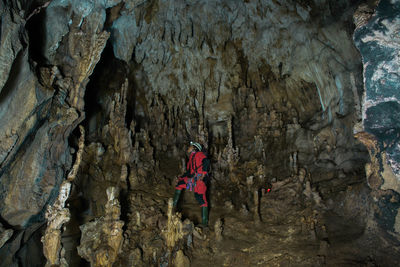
204	216
176	198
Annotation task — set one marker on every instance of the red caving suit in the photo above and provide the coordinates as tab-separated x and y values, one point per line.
198	164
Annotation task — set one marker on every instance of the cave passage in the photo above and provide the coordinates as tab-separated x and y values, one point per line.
294	104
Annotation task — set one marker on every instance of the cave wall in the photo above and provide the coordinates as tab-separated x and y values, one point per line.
269	87
378	44
376	37
36	133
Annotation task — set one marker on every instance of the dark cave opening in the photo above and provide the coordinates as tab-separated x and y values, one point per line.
36	32
99	90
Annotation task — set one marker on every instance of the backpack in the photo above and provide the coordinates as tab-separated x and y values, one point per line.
206	163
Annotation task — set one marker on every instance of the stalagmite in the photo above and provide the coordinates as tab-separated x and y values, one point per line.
249	181
57	215
202	137
218	228
174	227
302	175
256	213
138	220
181	260
307	191
124	173
102	239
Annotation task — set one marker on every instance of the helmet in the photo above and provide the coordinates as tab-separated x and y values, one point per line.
196	145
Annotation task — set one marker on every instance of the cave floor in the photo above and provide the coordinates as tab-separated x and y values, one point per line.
285	234
288	229
246	242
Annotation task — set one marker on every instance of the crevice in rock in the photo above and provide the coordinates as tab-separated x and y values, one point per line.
36	33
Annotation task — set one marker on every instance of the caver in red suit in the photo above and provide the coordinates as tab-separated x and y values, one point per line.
194	178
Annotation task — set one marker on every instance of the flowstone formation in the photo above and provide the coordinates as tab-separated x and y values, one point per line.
273	89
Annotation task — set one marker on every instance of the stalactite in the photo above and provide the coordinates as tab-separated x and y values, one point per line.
293	162
231	153
258	144
123	181
85	50
202	135
57	215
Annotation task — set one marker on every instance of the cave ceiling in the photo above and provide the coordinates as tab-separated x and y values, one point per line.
99	100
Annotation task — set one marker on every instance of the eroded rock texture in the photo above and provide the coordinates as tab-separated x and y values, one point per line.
102	239
379	44
274	91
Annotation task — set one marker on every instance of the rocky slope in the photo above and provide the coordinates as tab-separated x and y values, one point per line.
275	90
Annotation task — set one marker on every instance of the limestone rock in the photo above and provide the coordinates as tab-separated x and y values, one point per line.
5	235
52	246
176	229
269	87
181	260
102	239
379	46
218	228
30	175
34	152
57	215
10	43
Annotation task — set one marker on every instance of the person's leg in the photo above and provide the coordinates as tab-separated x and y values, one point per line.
176	197
204	216
200	195
178	190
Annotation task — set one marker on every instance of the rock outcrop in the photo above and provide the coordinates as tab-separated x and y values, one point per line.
102	239
34	149
377	39
57	214
275	92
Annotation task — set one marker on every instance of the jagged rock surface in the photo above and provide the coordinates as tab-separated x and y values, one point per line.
272	89
35	150
377	39
102	239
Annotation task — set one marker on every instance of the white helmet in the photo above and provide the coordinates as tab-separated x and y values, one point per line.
196	145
